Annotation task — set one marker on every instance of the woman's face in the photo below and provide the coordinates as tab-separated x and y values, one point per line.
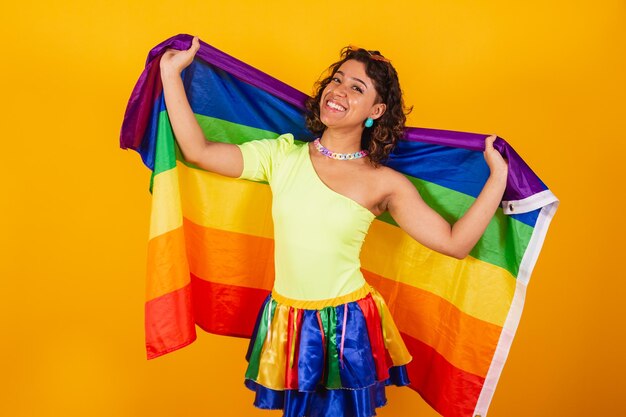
349	98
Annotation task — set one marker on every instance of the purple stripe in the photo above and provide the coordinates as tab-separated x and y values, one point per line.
140	105
522	182
234	67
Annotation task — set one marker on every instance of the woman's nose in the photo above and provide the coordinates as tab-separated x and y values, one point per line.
340	90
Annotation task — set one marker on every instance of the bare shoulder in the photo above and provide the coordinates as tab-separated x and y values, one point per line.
387	184
393	179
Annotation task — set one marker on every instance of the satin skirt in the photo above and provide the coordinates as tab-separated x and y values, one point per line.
330	358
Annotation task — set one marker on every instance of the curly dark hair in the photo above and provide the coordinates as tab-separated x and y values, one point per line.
380	139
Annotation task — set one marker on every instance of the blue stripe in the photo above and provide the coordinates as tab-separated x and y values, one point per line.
311	352
454	168
215	93
457	169
357	369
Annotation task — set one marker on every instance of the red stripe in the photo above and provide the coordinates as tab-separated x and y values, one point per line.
375	333
169	322
226	309
298	335
140	107
319	321
449	390
465	341
290	336
291	373
217	308
231	310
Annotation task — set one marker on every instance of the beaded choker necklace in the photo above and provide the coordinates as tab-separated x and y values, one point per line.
335	155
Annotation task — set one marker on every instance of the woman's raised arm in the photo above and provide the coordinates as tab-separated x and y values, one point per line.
221	158
426	226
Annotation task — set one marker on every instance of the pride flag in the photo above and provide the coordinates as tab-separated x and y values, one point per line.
210	251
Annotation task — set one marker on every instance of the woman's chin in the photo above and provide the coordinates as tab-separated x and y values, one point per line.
339	126
331	122
326	122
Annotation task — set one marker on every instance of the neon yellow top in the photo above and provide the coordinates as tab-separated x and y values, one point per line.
318	233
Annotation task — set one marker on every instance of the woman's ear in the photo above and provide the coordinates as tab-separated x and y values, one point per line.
378	110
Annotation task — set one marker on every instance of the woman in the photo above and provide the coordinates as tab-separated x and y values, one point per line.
324	343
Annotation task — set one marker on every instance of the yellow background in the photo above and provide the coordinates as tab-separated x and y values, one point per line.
550	77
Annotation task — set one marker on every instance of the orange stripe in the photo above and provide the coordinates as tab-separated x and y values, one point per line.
230	258
244	207
167	268
438	323
211	254
476	287
240	262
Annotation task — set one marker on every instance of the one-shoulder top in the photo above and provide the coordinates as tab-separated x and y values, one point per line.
318	233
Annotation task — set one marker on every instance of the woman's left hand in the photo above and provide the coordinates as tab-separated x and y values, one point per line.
497	164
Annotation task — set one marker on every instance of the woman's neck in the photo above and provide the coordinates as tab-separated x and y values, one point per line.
341	142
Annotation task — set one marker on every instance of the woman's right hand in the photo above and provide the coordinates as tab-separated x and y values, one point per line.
174	61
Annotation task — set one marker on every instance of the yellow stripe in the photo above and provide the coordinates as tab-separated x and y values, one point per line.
192	192
393	341
273	355
477	288
245	207
166	209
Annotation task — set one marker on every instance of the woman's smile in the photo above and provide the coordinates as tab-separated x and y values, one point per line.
333	105
348	98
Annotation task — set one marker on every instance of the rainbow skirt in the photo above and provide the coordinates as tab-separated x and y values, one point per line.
325	358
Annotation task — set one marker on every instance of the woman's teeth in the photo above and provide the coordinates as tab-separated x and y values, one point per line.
335	106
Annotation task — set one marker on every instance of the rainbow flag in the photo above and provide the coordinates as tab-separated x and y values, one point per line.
210	251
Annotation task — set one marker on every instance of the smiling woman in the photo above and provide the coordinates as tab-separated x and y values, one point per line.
373	84
324	343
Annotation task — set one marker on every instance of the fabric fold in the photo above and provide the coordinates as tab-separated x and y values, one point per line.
230	254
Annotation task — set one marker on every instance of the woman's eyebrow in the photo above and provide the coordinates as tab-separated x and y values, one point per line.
354	78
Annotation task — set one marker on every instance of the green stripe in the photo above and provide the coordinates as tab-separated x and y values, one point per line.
329	322
495	247
255	357
167	150
219	130
166	147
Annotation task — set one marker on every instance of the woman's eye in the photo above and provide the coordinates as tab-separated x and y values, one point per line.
336	80
357	88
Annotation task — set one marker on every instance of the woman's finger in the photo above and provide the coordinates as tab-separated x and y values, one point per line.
489	142
195	45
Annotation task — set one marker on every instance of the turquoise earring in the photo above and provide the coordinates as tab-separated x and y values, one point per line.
369	122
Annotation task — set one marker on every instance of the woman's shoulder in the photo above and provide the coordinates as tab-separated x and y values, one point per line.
286	138
391	178
383	171
286	143
278	145
262	156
